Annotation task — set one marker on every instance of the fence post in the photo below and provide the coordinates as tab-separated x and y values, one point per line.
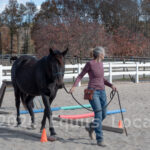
144	68
1	73
79	71
110	72
124	68
137	72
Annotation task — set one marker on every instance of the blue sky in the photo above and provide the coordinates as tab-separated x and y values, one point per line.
3	3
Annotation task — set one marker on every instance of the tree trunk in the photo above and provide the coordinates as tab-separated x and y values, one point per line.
18	42
0	44
11	42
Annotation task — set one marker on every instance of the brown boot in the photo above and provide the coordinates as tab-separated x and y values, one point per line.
91	132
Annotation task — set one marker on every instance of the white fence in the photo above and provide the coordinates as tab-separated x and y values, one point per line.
111	69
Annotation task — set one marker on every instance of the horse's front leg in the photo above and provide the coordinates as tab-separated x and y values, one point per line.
48	114
43	123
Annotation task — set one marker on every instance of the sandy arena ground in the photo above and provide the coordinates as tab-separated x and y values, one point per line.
135	99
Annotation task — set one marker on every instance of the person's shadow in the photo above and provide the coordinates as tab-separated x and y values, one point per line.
76	141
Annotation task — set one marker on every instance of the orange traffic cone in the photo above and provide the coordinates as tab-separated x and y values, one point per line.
44	136
120	124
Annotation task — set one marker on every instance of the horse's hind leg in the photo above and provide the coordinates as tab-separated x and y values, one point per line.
17	99
29	103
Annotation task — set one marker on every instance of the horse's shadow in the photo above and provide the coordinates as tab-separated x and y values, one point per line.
8	134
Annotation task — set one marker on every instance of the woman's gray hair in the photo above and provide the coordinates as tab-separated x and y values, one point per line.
98	50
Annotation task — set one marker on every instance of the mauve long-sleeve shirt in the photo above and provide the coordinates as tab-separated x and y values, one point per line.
95	71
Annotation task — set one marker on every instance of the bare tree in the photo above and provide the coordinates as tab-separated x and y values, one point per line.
12	19
115	13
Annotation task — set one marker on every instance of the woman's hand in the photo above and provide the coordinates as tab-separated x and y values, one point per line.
72	90
114	88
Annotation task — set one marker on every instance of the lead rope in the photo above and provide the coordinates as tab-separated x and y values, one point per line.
121	113
112	94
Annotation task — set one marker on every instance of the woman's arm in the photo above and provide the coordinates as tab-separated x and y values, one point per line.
80	76
109	85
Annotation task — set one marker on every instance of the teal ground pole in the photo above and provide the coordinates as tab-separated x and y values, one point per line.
75	107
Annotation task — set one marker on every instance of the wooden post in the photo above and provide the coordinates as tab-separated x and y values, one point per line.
86	124
2	92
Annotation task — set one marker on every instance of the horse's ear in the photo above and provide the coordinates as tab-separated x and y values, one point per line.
51	51
65	52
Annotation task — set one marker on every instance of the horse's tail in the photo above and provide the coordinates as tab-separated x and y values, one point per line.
13	58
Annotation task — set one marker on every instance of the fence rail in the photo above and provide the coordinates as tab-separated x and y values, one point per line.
111	70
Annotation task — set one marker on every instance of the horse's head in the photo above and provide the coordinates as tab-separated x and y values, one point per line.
57	65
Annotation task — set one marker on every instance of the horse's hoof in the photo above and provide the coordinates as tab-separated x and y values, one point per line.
18	120
18	125
53	134
52	138
33	126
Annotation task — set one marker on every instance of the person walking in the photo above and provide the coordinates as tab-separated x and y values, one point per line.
97	82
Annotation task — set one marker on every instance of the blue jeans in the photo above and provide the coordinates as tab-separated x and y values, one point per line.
99	102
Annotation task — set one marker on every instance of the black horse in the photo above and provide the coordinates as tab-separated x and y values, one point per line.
32	77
